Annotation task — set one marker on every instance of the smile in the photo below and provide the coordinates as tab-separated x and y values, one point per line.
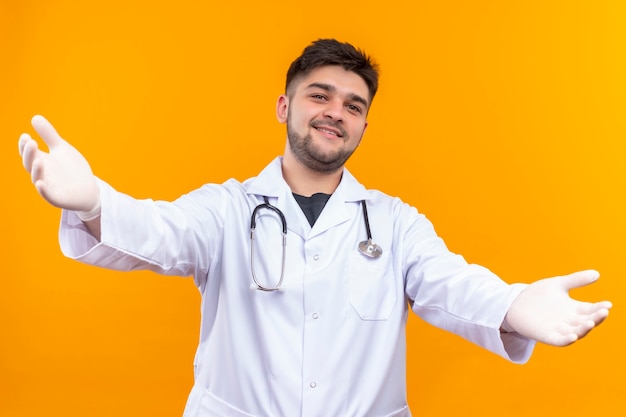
328	130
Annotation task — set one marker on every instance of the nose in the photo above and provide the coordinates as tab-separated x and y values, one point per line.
334	110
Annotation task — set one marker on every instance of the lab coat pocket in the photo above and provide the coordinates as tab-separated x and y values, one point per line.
372	286
211	406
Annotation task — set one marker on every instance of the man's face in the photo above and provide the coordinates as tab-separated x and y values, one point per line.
325	112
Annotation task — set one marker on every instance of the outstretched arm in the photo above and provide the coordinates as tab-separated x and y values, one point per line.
545	312
62	176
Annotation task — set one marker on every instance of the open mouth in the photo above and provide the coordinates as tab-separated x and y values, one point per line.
329	130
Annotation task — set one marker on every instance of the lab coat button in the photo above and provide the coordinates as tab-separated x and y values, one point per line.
315	316
312	385
316	257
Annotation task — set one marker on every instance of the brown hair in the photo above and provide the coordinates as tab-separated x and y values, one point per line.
325	52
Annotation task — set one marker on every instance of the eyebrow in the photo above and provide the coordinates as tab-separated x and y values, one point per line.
331	89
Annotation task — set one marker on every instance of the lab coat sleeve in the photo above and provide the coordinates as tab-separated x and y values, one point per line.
465	299
172	238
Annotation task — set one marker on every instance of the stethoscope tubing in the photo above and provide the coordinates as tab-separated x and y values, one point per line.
283	222
367	248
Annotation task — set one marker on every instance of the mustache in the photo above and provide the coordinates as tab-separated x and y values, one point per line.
331	124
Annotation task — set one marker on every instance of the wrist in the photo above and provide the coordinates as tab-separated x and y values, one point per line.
505	327
92	214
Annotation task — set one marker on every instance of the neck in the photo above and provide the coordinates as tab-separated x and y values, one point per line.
305	182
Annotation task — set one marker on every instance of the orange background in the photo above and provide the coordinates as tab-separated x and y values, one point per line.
502	121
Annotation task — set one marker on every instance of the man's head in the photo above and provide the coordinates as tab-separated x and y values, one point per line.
327	52
328	95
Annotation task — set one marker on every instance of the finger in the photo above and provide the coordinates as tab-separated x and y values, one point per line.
47	132
590	308
29	152
21	143
593	319
579	279
43	190
42	187
599	316
564	339
36	173
584	328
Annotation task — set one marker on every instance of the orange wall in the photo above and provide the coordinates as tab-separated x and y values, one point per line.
502	121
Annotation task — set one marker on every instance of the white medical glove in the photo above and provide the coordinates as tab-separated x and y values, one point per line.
62	176
545	312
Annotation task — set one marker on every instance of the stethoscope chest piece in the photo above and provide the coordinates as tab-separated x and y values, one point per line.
370	249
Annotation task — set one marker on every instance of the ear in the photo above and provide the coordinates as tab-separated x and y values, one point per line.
282	108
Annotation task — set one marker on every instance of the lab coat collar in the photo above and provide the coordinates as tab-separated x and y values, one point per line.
270	183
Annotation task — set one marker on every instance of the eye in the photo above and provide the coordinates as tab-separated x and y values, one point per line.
354	109
320	97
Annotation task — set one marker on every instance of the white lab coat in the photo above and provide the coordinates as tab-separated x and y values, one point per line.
332	342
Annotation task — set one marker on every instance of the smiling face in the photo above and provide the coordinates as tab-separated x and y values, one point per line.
325	112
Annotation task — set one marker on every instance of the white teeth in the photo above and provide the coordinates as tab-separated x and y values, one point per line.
327	131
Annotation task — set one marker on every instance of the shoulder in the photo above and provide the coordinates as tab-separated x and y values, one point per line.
401	217
215	196
377	198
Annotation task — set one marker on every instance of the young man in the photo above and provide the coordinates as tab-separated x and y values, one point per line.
315	327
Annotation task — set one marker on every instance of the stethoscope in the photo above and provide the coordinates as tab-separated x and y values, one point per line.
366	247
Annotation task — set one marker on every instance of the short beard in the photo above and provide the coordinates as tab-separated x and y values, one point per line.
312	157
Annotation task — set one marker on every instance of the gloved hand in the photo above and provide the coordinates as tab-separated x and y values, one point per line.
545	312
62	176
